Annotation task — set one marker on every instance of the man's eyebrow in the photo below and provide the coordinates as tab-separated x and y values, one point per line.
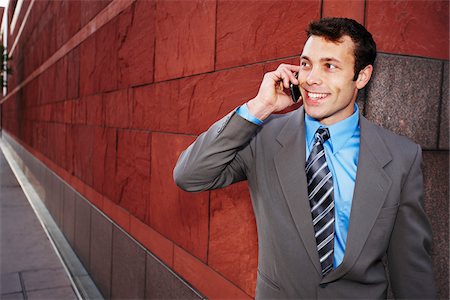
330	59
324	59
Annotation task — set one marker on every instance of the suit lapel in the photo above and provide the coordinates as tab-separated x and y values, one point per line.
290	166
371	188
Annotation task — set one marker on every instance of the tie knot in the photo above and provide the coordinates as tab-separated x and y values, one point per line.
322	134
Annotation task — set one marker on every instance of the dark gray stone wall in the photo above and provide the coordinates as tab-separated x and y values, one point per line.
409	96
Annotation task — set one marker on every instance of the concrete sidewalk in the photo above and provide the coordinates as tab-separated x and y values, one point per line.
29	265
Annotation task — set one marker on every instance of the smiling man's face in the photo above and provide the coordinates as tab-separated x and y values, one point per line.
326	79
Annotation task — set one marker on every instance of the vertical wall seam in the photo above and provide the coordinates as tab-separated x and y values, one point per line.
154	43
365	13
321	8
439	118
215	37
209	227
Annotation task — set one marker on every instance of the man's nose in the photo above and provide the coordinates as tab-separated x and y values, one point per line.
314	77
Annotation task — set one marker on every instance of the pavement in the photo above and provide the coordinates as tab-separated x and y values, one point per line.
30	267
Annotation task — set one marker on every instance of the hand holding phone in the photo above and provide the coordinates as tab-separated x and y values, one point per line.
295	90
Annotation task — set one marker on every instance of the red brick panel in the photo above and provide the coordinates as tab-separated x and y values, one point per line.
410	27
106	57
94	110
233	244
118	108
87	66
136	30
60	83
133	171
73	72
83	145
89	9
104	154
178	215
353	9
184	38
68	16
252	31
192	104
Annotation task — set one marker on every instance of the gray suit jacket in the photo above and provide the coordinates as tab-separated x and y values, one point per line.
387	218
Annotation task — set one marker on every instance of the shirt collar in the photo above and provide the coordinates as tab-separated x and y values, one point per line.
340	132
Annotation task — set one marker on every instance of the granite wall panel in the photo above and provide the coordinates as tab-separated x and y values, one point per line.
436	202
162	283
101	252
82	233
128	268
444	113
184	45
404	96
68	227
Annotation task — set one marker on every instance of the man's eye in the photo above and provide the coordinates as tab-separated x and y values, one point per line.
304	64
331	66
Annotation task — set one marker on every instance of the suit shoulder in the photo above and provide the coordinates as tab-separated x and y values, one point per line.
398	144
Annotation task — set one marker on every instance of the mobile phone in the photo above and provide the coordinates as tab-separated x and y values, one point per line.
295	91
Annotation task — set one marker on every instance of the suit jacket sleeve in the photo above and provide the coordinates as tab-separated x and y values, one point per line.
409	260
219	156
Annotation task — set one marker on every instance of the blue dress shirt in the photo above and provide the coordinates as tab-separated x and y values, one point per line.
341	152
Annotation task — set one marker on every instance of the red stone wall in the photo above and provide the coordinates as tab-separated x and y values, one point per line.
110	107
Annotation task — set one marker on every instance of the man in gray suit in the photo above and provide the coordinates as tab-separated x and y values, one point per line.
333	194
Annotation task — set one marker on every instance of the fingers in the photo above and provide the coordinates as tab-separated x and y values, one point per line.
286	74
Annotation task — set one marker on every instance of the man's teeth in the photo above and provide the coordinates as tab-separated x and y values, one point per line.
316	95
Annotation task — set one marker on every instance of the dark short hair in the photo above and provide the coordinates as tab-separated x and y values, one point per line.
333	29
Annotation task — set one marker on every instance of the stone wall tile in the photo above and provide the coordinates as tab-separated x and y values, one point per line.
444	131
82	229
244	29
136	29
436	202
353	9
233	239
128	268
87	66
103	158
118	108
73	71
409	27
94	110
101	252
83	142
192	104
133	171
162	283
185	38
403	97
187	212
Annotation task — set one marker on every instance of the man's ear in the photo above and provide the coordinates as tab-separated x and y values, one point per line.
364	76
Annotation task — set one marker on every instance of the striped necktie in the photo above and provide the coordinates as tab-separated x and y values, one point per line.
320	194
